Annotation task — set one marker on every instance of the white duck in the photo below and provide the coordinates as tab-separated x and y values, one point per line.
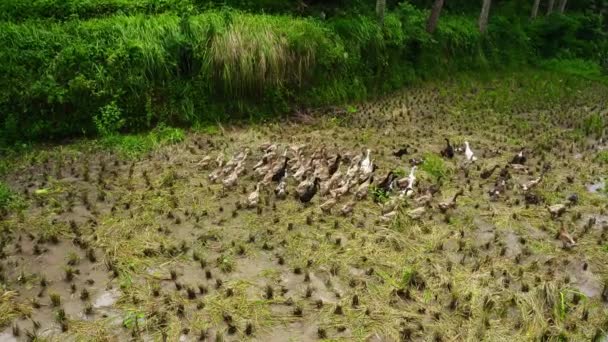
411	179
366	164
254	197
281	190
468	152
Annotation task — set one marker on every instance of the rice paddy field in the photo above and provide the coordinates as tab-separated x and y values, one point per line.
168	239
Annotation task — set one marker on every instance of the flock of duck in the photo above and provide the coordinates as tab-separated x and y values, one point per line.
336	177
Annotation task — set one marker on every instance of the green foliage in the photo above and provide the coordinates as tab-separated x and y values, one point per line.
379	195
109	121
135	145
574	66
593	124
434	166
8	200
407	275
5	196
602	158
192	64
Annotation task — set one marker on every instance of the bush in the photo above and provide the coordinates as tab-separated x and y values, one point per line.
131	73
109	121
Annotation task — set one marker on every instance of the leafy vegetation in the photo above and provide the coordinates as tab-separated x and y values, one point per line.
105	66
133	145
435	166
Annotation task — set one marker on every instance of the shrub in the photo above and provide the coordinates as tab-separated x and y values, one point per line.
109	121
131	73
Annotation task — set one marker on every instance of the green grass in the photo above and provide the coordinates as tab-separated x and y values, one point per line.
602	157
6	196
574	66
131	72
133	145
435	166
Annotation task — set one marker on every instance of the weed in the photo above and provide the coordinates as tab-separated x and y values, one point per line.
109	121
435	166
602	157
593	124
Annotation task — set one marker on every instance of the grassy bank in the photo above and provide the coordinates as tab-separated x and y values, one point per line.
130	73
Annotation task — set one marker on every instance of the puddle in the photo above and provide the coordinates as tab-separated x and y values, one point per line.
297	331
485	232
7	336
513	244
106	299
585	281
597	187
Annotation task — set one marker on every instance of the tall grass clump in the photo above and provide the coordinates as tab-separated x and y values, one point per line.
245	55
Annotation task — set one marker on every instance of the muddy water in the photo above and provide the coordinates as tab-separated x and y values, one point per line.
476	258
597	187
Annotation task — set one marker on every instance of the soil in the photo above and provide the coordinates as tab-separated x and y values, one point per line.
163	252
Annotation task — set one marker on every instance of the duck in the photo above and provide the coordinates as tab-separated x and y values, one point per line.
217	173
204	163
389	216
416	161
267	146
254	197
263	170
297	149
219	160
363	189
448	151
468	152
366	164
309	192
519	158
232	163
304	168
262	162
485	174
341	190
328	205
347	208
231	180
321	169
411	178
239	169
401	152
444	206
504	173
280	172
387	184
499	188
330	183
557	210
393	203
352	171
416	214
529	185
367	168
566	238
281	190
333	167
